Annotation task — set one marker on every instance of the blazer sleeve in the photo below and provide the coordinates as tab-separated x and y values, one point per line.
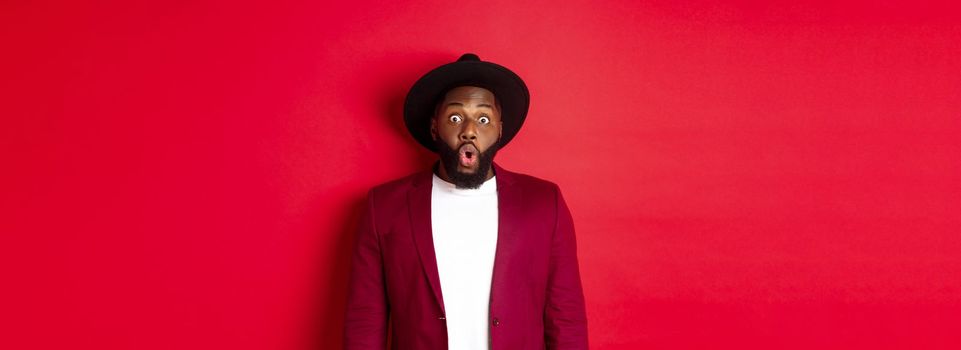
365	324
565	319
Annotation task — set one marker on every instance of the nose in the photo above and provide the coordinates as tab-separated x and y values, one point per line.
468	132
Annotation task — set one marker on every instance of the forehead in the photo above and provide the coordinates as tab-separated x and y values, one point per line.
469	95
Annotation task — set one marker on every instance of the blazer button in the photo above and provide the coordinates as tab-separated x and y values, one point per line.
496	322
442	318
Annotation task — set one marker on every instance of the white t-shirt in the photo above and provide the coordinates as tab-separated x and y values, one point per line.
464	224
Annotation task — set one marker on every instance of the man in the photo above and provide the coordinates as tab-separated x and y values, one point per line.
468	256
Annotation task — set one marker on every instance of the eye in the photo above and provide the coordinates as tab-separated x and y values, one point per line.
484	120
455	118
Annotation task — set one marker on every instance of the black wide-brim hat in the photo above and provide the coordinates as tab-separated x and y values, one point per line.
508	88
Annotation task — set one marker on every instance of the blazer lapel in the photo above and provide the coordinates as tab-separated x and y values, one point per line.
418	200
508	199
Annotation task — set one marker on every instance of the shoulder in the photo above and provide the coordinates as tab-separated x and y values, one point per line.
399	187
529	184
538	196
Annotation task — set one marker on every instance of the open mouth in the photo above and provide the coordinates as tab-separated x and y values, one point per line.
468	155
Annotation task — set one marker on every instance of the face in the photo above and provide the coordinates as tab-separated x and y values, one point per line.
466	128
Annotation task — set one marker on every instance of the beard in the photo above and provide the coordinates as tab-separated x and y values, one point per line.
450	159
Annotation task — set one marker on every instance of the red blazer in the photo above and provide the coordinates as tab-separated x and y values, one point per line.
536	298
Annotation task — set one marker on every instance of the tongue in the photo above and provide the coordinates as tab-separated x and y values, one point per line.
466	160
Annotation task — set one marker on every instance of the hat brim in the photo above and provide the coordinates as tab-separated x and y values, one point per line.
508	88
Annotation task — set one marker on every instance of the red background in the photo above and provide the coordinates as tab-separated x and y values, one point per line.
187	174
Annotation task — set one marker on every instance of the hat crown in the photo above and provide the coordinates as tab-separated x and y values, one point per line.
468	57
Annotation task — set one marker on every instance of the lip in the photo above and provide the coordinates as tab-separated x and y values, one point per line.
468	147
468	156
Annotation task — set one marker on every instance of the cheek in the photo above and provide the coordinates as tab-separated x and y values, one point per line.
446	134
492	136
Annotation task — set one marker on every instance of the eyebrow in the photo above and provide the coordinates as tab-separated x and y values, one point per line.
462	105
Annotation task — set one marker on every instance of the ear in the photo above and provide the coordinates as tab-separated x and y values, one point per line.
433	128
